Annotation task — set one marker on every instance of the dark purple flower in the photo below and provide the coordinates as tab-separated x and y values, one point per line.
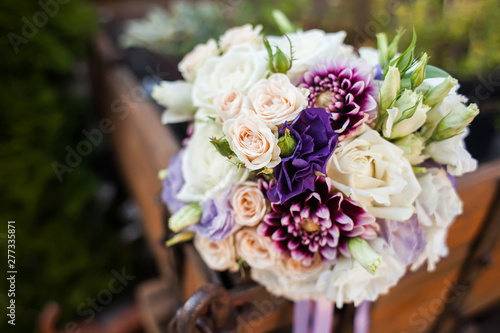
406	238
319	221
346	89
173	183
316	142
217	221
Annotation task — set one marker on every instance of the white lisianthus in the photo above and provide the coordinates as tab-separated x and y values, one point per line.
397	125
256	250
349	282
176	97
240	35
292	279
253	141
310	47
370	55
413	146
249	203
217	255
275	100
239	68
228	104
374	172
437	207
452	153
206	173
192	61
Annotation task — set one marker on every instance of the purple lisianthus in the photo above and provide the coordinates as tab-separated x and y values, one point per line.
346	89
318	221
406	238
316	142
217	220
173	183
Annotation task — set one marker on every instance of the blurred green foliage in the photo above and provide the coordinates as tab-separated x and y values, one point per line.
63	248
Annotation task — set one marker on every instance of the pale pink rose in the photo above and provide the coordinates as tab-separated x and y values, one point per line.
253	142
249	203
194	59
217	255
275	100
228	104
240	35
256	250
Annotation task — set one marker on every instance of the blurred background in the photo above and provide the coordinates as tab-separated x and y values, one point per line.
77	225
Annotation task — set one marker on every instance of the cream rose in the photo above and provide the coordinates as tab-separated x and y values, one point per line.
249	203
239	68
309	47
275	100
194	59
176	97
437	207
253	141
217	255
206	172
228	104
240	35
374	172
256	250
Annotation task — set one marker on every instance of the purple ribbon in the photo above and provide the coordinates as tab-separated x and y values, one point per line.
362	318
319	321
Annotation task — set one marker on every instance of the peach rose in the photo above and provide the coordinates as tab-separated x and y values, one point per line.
194	59
275	100
256	250
249	204
253	141
217	255
228	104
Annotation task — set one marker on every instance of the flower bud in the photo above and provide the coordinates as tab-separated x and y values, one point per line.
222	146
163	174
186	216
412	146
364	254
179	238
435	95
279	61
418	75
454	123
287	144
389	89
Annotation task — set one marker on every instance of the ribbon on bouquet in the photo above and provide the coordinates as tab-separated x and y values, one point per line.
317	317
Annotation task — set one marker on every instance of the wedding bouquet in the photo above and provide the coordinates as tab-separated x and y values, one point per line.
327	170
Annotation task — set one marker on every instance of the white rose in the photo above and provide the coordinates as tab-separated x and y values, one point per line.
253	141
452	153
309	47
249	204
370	55
240	35
409	100
437	207
206	173
374	172
349	282
275	100
176	97
217	255
239	68
192	61
292	279
228	104
256	250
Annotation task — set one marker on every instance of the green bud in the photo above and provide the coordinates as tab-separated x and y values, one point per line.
382	49
279	62
418	75
180	237
287	144
283	22
222	147
417	170
392	49
163	174
454	123
186	216
412	145
389	89
435	95
364	254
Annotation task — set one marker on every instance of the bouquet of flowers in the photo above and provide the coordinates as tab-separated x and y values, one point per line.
327	170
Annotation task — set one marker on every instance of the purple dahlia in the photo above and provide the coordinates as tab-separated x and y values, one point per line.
316	142
319	221
346	89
